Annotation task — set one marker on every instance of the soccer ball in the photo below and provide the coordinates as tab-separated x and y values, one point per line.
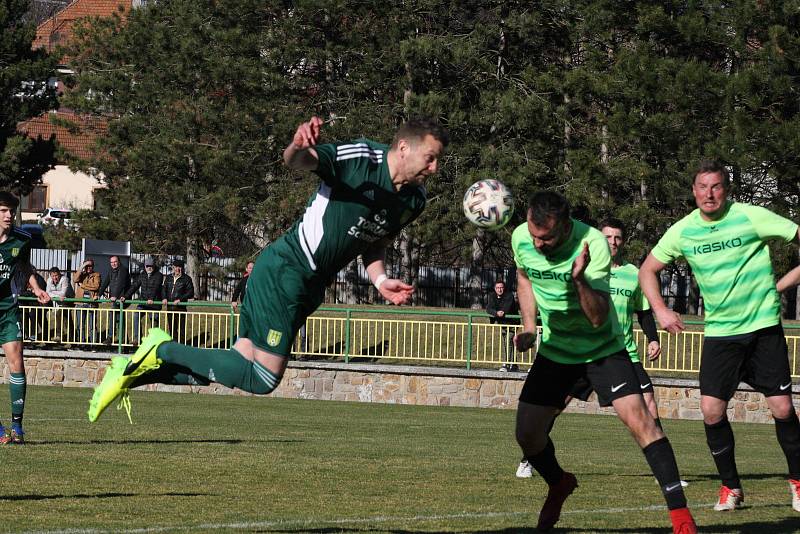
488	204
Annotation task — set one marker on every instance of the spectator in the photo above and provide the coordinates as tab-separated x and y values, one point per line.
499	305
114	288
150	285
241	287
178	288
87	287
59	289
36	326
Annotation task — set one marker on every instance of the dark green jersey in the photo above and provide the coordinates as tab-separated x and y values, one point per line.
567	335
730	260
14	251
355	205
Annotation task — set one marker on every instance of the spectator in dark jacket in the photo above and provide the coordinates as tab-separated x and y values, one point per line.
499	305
241	287
150	286
178	288
115	285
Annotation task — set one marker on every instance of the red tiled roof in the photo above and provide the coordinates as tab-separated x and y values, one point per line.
58	29
78	141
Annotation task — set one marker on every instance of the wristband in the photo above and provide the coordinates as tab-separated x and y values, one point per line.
379	280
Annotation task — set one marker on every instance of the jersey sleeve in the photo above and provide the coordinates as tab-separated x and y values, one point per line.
327	168
516	239
769	225
668	248
598	272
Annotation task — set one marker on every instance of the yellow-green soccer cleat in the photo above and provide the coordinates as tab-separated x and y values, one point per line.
122	372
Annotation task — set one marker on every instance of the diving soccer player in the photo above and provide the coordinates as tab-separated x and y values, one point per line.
367	194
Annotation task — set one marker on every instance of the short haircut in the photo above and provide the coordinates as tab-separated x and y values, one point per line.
712	166
55	270
499	281
8	200
612	222
417	128
544	205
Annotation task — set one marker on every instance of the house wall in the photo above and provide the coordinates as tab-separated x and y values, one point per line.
67	189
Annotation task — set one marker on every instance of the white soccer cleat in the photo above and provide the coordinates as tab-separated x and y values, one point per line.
794	489
524	470
729	499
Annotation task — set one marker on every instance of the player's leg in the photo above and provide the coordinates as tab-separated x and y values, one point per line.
767	370
616	383
11	339
721	370
542	397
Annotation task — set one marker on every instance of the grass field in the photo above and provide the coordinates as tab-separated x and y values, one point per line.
202	463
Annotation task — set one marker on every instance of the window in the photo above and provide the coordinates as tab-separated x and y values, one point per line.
36	201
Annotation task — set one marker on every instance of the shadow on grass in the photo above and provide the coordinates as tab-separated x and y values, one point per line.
163	441
694	477
38	497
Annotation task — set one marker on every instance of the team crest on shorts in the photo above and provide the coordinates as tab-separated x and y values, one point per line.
274	338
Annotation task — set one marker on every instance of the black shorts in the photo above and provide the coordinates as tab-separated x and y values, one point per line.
582	389
760	359
549	382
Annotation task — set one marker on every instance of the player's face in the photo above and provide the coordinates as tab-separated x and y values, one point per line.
499	289
6	218
614	238
548	236
421	158
710	194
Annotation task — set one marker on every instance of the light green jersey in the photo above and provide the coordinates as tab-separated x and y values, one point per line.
730	260
13	251
567	335
355	205
627	298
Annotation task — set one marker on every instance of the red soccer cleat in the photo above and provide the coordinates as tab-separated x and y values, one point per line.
556	495
682	521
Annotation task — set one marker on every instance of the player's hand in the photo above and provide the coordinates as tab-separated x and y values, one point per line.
581	262
307	134
653	350
524	341
234	304
670	321
41	296
396	291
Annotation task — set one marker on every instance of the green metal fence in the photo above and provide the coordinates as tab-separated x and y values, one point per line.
455	338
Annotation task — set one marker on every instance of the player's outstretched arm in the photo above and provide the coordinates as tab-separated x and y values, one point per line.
648	281
395	291
789	280
526	339
593	303
300	154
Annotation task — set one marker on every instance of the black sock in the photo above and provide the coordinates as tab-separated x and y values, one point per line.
662	462
546	464
788	432
722	446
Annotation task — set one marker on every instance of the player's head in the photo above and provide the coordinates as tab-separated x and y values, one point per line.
417	145
499	287
549	220
615	233
710	188
8	208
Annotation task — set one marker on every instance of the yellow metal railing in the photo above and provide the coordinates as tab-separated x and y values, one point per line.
434	337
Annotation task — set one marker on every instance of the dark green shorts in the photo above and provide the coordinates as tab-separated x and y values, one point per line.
10	329
280	295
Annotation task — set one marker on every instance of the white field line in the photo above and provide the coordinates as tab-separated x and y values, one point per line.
308	523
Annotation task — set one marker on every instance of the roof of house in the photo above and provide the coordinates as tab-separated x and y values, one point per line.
76	141
58	29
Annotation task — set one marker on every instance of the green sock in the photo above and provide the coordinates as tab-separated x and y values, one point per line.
171	374
227	367
16	387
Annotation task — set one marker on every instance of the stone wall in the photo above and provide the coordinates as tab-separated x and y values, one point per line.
677	399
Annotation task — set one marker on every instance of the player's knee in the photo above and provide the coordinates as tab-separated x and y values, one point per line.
531	438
